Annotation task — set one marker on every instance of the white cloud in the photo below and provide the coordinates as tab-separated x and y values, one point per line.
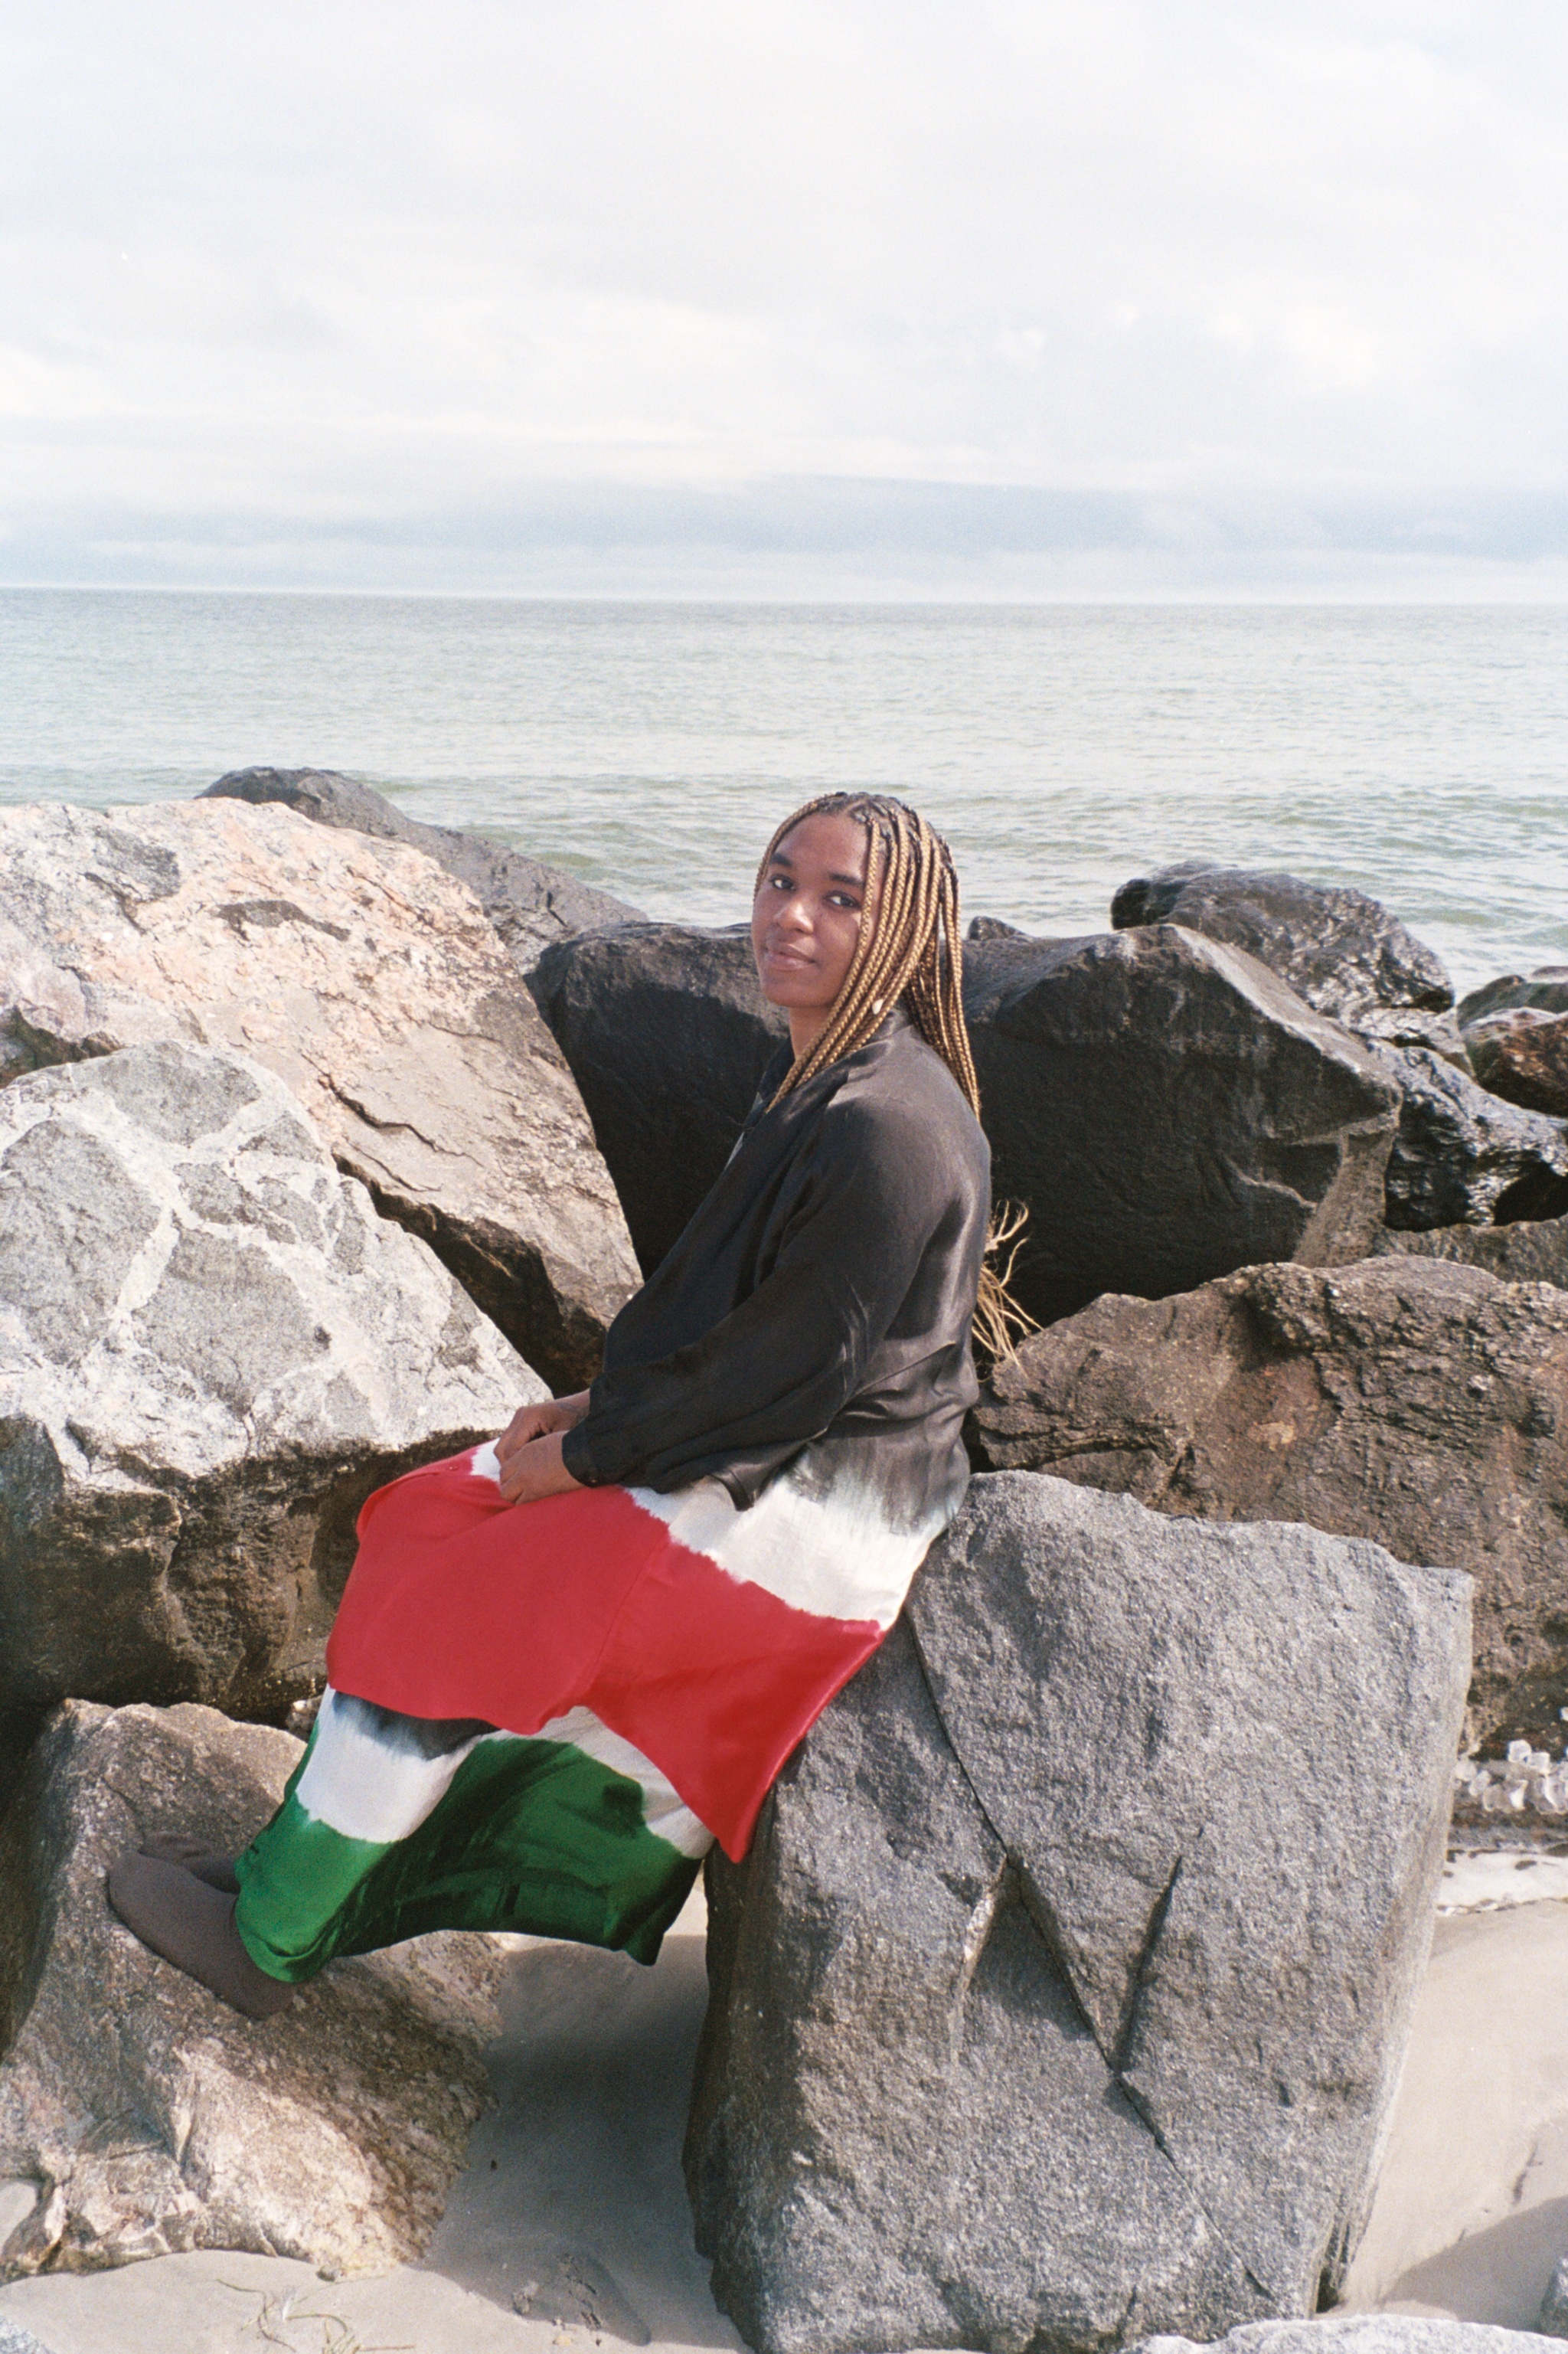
267	275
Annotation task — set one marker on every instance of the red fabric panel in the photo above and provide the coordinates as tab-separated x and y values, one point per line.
462	1605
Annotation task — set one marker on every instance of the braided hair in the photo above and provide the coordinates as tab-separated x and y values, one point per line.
910	950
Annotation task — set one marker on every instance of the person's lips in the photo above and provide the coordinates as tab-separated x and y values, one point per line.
776	954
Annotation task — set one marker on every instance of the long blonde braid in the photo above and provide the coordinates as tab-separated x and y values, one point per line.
911	948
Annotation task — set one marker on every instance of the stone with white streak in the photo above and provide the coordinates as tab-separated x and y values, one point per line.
211	1350
371	981
148	2118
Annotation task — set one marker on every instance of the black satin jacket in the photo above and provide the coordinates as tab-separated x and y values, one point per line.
817	1304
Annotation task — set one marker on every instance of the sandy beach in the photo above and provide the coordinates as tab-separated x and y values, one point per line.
570	2228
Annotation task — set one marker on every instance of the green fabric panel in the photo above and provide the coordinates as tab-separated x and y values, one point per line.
531	1835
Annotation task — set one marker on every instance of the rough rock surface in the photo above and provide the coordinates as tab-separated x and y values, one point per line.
1341	951
152	2118
211	1350
1167	1109
1522	1056
1463	1156
529	904
667	1034
1546	989
1418	1403
1064	1989
1531	1251
1362	2333
1554	2303
371	982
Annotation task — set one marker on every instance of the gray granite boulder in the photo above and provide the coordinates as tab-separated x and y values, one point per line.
1463	1156
1063	1992
667	1034
211	1350
529	904
1362	2333
1418	1403
1339	949
147	2116
373	984
1553	2322
1167	1109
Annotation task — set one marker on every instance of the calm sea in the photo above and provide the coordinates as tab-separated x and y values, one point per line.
1420	753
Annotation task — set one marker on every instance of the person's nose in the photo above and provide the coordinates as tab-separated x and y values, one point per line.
793	914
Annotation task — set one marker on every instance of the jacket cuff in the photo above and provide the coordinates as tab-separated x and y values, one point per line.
577	1457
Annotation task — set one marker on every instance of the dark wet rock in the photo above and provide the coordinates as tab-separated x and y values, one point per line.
1463	1156
1064	1989
1522	1056
371	982
150	2117
211	1350
992	927
1415	1402
1339	949
1531	1251
1545	990
529	904
1167	1109
667	1034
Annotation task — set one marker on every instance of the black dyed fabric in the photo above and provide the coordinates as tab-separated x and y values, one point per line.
816	1311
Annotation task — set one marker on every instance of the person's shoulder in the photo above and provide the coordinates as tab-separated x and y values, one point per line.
907	1109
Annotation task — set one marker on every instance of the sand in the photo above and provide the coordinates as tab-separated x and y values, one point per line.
570	2229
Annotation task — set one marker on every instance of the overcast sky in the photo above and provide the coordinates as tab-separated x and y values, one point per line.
1136	296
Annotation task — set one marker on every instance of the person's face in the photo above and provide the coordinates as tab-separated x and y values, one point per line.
806	917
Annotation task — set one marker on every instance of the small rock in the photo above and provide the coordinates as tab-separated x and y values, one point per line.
1522	1056
1339	949
332	2134
1359	2333
1529	1251
529	904
372	983
211	1350
1463	1156
1546	989
1554	2321
14	2340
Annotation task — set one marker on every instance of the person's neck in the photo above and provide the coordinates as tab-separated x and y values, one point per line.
807	1024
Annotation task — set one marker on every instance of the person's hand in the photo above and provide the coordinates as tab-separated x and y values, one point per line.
531	1422
534	1468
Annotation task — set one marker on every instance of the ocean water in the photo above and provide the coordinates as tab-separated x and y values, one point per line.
1419	753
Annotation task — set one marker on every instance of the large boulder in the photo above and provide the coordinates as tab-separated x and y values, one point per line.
371	982
1409	1400
667	1034
1531	1251
1463	1156
529	904
1522	1056
1063	1992
211	1350
1167	1109
1340	951
150	2118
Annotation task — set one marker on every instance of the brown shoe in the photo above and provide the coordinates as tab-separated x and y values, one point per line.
191	1924
218	1871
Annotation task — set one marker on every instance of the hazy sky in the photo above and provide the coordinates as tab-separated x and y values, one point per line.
1137	296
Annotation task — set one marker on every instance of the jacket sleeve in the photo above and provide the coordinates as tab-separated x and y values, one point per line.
771	1375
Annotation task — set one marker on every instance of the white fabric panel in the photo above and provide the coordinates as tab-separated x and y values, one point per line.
833	1556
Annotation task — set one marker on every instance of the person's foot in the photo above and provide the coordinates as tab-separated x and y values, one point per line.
191	1924
218	1871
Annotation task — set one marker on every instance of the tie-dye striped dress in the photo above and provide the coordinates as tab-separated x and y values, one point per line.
540	1716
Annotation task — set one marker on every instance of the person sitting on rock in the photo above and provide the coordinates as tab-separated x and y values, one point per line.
567	1660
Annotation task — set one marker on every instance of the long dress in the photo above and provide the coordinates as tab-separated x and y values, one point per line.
539	1716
